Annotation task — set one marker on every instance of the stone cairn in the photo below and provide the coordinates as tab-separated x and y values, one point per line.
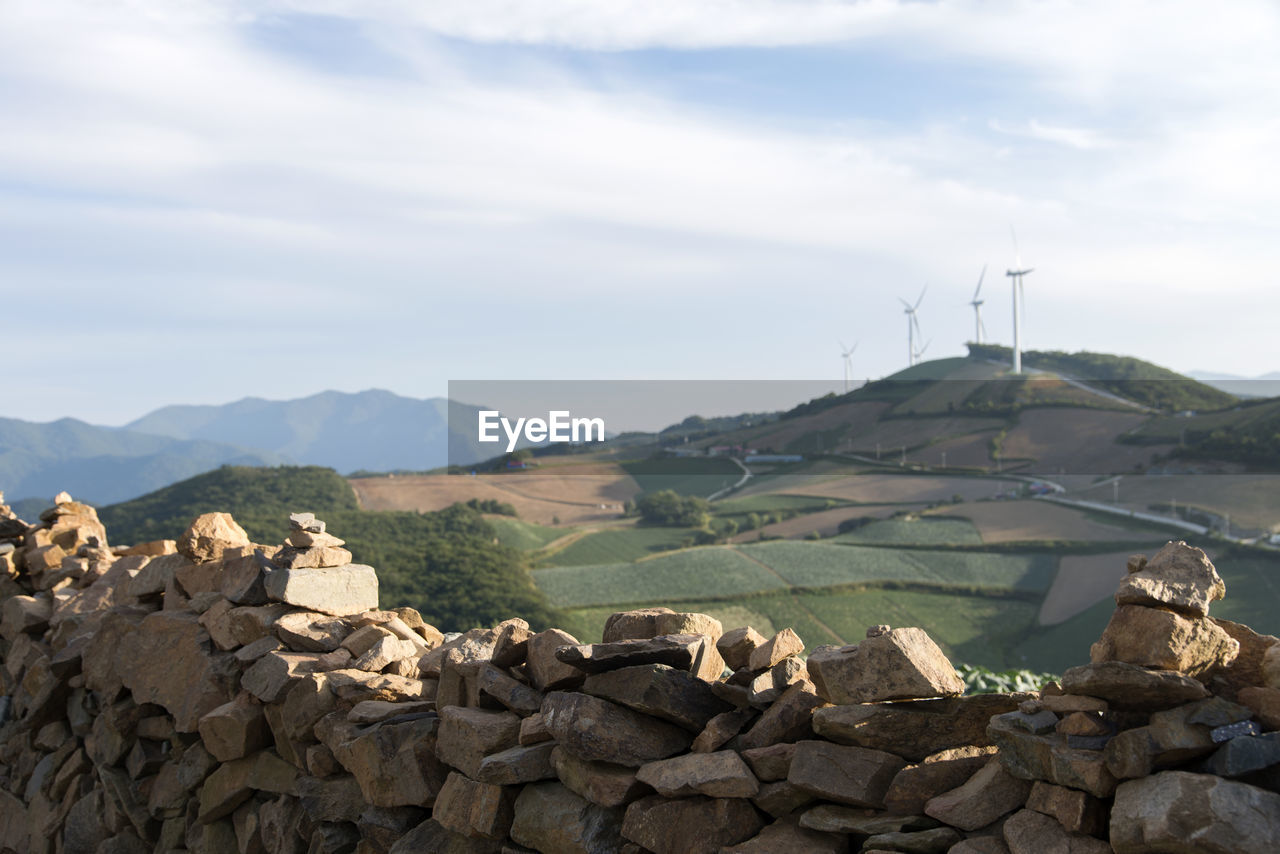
213	695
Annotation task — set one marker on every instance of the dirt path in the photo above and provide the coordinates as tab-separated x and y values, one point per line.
795	598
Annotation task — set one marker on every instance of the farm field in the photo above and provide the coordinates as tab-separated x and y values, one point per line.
892	434
525	536
972	451
701	573
899	488
1082	582
817	564
617	545
1078	441
785	434
700	476
915	531
1029	520
826	522
573	495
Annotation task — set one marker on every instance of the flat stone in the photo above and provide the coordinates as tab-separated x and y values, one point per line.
507	690
1127	686
598	782
903	664
834	818
167	661
709	665
308	631
915	785
983	798
782	798
721	729
209	535
1179	577
1181	811
467	736
235	729
678	651
789	719
474	809
1164	640
1076	811
772	762
934	841
1048	757
661	691
339	590
1065	704
914	730
849	775
320	557
1244	755
1228	732
394	763
640	623
518	765
718	775
787	835
784	644
600	731
547	672
690	825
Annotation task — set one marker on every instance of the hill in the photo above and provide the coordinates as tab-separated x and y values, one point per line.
447	564
373	430
105	464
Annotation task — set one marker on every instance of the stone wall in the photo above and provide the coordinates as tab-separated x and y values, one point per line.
214	695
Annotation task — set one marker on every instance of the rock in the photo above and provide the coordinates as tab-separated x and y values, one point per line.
784	644
546	671
787	835
518	765
234	782
834	818
1030	832
661	691
721	729
1066	704
1041	722
694	825
209	535
772	762
934	841
395	763
1126	686
1181	811
682	652
338	590
384	652
917	729
234	730
308	631
467	736
24	614
474	809
311	540
782	798
980	845
1264	703
599	731
510	692
718	775
1179	577
987	795
598	782
167	662
1083	723
710	665
1076	811
1246	670
1244	755
1049	758
770	684
641	623
1271	668
1164	640
1228	732
735	646
915	785
849	775
904	664
549	817
790	718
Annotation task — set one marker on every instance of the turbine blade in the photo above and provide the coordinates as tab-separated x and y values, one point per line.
922	293
1016	253
980	277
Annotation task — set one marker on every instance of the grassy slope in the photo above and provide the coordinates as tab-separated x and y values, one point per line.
700	476
525	536
618	545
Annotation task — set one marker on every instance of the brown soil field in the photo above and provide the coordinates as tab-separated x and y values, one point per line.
1079	441
1082	582
968	451
882	488
854	418
891	435
826	522
1019	521
572	494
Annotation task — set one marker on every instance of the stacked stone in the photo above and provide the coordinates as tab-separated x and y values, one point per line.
215	695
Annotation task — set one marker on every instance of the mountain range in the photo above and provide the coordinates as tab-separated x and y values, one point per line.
371	430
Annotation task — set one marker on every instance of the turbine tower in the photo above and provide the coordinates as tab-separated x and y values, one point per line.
846	352
913	328
979	331
1019	296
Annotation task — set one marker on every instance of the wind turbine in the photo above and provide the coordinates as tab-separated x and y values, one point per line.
913	327
1019	295
846	352
979	331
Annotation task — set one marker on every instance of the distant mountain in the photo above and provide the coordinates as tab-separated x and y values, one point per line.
371	430
1267	385
104	464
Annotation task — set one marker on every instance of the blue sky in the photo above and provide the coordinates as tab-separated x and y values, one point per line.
205	200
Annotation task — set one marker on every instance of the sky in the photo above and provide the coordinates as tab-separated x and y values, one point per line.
202	201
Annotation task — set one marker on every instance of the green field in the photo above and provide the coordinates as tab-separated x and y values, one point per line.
700	476
774	503
806	564
706	572
932	531
618	545
525	536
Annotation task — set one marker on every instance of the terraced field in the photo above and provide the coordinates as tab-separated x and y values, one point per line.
525	536
618	545
1032	520
915	531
